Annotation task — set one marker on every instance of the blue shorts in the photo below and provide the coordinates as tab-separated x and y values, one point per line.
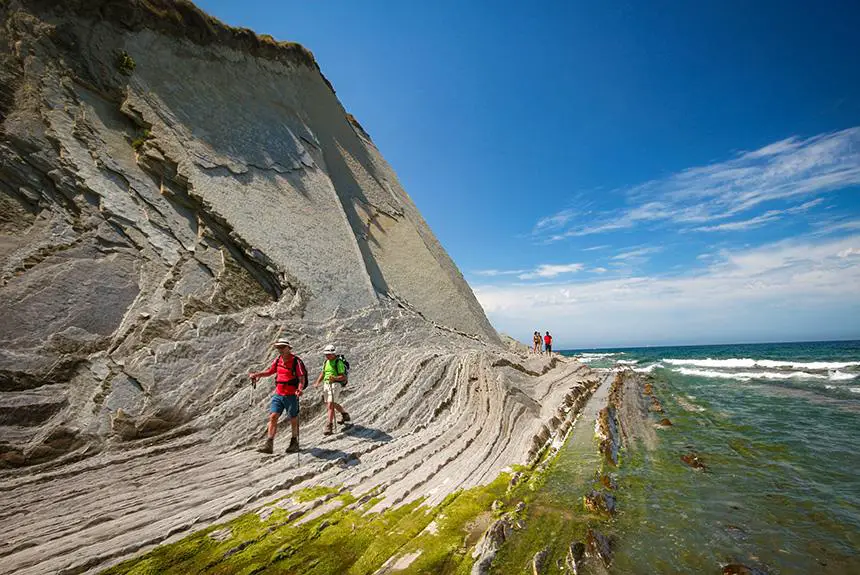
288	403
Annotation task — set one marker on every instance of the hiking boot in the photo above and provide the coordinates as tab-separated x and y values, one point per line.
294	445
344	419
327	429
267	446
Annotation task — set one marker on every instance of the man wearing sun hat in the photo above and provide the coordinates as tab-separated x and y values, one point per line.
292	378
333	377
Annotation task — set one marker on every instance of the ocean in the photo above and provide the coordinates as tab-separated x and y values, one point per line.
777	427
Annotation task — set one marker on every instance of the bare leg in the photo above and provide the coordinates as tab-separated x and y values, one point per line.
273	424
294	424
330	408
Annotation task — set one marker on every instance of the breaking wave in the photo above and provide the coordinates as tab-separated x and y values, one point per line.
774	375
596	356
763	363
647	368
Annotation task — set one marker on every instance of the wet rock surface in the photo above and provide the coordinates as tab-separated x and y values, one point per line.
539	562
600	502
489	544
575	557
740	569
599	546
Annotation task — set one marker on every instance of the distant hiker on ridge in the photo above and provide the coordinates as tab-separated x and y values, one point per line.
547	343
333	378
291	380
536	346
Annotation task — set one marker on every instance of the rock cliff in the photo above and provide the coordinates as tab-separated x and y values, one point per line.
174	194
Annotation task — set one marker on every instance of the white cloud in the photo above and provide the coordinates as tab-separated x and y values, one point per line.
551	271
782	171
782	290
599	270
593	248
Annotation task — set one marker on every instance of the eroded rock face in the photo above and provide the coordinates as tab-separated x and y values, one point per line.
153	175
161	224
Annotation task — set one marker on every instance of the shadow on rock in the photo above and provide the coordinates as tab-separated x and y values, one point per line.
341	457
370	433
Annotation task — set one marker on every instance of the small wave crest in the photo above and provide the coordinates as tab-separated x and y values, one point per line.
647	368
773	375
588	357
746	363
627	361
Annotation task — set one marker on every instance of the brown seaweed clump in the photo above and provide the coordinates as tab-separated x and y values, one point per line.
693	460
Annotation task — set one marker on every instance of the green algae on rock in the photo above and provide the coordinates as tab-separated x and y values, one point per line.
349	539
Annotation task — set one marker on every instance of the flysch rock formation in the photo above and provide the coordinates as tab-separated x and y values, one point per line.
175	194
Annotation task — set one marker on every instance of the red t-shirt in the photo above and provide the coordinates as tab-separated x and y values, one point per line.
547	339
292	370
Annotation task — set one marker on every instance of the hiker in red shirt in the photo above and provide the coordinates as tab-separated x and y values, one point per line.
547	343
291	380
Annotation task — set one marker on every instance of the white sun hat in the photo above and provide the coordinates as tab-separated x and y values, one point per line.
282	342
330	349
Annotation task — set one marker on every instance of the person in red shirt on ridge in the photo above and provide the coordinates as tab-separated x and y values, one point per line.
547	343
291	380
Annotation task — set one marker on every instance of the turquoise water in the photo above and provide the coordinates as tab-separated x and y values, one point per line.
778	426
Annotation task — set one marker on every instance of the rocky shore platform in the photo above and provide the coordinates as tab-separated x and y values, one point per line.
439	419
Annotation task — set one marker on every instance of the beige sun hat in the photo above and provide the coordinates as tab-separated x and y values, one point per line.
330	349
282	343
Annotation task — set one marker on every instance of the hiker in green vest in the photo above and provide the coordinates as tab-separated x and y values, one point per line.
333	378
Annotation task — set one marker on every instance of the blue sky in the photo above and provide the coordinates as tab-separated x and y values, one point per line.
617	173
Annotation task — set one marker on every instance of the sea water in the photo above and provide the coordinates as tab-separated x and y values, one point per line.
778	428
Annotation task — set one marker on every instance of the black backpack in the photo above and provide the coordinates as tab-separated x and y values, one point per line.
297	361
343	360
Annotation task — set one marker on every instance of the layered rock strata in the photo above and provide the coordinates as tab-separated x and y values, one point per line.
174	195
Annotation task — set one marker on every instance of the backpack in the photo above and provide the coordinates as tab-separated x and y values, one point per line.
297	361
345	363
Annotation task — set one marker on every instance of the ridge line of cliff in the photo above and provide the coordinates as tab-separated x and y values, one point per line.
183	19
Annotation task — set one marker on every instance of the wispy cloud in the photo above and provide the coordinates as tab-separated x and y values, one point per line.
550	271
782	171
595	248
494	273
638	253
836	226
599	270
768	216
555	221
